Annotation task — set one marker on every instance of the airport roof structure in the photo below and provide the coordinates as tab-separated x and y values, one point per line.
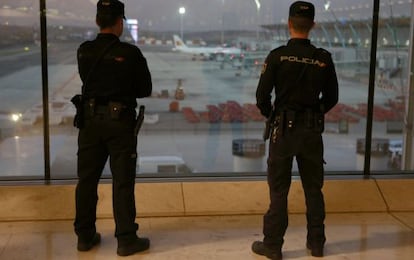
392	31
383	22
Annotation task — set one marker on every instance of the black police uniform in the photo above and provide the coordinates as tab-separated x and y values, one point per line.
109	97
304	80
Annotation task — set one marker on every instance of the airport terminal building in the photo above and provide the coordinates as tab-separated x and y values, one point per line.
201	187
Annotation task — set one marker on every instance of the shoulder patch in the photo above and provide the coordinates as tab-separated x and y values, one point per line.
264	67
119	59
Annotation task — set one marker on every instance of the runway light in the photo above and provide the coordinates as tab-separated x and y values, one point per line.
15	117
258	5
26	48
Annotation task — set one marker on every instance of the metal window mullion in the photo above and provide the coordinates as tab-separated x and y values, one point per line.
409	118
371	89
45	89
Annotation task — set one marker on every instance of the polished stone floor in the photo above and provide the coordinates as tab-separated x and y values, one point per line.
349	236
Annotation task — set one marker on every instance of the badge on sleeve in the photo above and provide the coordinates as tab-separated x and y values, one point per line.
264	68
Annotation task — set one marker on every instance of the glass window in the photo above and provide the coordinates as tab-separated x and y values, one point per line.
69	24
21	113
205	60
391	84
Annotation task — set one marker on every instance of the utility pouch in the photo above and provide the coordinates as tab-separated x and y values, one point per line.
290	120
115	110
78	120
309	119
281	122
91	107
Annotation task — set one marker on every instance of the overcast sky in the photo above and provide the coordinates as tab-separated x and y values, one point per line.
201	15
240	14
205	14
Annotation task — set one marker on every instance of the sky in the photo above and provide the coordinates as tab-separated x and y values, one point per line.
227	14
201	15
243	14
231	14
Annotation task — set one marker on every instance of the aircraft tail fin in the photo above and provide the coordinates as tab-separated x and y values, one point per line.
179	43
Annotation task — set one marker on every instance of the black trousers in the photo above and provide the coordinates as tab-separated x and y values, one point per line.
100	138
307	146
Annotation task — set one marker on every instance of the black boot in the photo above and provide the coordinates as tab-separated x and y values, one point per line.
86	245
316	249
126	248
261	249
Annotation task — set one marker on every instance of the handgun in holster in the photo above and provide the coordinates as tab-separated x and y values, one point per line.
78	120
319	119
269	124
140	120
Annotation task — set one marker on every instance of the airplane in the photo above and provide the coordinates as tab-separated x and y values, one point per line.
210	53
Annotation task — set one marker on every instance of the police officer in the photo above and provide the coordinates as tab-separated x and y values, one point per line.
114	74
304	80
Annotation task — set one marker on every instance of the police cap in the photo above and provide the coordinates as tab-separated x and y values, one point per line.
110	7
302	9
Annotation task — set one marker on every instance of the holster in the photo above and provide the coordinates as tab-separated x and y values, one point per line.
268	128
269	124
319	121
140	120
78	120
275	121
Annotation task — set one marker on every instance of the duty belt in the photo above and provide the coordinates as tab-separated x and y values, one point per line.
94	106
289	119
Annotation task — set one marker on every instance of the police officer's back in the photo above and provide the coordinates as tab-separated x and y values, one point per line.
122	74
301	75
303	80
113	74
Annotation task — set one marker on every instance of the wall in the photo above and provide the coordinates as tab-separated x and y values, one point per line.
46	202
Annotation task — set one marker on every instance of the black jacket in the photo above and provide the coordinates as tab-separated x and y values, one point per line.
121	75
302	77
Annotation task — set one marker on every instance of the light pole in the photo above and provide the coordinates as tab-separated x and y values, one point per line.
181	11
222	22
258	5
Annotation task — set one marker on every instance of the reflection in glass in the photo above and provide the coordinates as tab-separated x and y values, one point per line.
21	130
202	101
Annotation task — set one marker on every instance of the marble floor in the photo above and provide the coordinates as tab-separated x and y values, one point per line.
349	236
